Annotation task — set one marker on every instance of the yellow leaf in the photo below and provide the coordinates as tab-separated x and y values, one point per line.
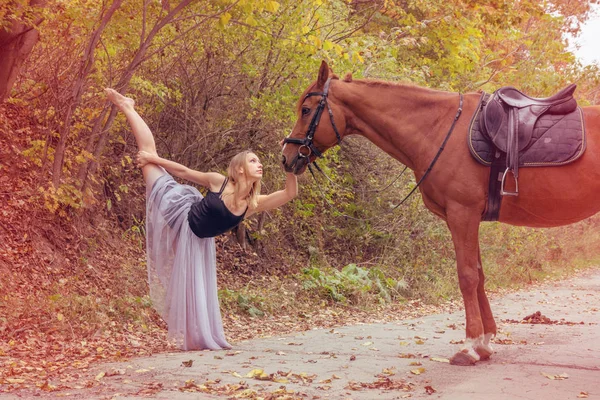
15	380
254	373
245	394
440	359
327	45
59	317
251	21
100	376
263	377
556	377
417	371
305	30
224	20
315	40
272	6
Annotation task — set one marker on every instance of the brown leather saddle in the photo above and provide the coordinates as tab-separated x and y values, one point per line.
510	130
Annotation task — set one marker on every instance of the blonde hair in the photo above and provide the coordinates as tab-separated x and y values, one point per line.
233	171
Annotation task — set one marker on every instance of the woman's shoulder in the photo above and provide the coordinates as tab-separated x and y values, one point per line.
216	181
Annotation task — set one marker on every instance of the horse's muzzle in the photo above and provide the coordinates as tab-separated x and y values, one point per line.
296	166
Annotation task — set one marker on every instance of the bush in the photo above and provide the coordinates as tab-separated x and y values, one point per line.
352	284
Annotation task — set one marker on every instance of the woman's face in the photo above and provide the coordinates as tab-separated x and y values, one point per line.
253	166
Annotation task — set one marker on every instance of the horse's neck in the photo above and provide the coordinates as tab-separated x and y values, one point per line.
404	121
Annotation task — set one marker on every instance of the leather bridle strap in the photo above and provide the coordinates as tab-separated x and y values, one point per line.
307	142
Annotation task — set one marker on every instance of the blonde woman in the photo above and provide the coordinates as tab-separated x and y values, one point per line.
180	228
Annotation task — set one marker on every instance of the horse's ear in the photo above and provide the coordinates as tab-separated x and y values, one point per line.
323	74
348	77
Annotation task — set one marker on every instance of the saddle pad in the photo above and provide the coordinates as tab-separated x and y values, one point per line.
556	140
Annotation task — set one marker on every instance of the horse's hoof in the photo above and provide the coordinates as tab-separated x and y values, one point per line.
484	352
463	358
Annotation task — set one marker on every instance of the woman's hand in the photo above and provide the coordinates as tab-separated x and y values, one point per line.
143	158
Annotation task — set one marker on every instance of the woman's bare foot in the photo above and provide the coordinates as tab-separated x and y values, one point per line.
118	99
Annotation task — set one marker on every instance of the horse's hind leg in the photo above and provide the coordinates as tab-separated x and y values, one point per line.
484	349
464	226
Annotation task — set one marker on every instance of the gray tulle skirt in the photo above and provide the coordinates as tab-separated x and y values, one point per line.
182	268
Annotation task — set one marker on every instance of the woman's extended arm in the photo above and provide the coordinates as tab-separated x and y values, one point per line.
278	198
211	180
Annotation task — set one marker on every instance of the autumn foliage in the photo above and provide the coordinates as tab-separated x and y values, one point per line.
212	78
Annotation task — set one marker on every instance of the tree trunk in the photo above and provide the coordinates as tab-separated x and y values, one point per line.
100	131
87	62
16	43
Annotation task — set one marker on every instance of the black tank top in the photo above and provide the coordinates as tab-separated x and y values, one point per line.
210	217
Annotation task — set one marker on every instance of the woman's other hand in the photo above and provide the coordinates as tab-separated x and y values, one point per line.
143	158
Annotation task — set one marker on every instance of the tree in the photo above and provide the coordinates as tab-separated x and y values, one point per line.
18	35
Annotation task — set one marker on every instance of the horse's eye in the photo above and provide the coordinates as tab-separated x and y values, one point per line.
305	111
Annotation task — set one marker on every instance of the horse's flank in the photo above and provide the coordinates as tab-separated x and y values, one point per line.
409	123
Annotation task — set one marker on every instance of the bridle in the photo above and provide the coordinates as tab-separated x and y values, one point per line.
307	142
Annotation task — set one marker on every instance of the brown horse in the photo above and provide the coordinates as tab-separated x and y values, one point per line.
410	123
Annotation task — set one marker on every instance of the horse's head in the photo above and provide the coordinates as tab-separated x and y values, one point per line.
313	135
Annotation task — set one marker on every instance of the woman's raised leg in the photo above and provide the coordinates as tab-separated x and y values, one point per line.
141	132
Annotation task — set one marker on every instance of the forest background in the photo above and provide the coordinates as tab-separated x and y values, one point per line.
212	78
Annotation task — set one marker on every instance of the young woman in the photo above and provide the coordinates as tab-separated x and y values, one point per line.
180	228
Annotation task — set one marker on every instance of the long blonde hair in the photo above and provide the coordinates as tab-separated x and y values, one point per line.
233	171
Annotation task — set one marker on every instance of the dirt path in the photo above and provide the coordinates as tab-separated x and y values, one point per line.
405	359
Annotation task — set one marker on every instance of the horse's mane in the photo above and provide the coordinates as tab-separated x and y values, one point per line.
382	83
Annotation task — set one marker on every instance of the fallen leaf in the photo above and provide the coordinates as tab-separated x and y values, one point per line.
429	390
556	377
114	371
254	373
187	363
417	371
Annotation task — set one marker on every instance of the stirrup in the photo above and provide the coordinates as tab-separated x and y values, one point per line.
508	193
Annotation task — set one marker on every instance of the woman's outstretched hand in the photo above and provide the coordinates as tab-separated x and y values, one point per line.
143	158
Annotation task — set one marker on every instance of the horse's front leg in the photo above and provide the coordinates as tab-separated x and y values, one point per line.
464	226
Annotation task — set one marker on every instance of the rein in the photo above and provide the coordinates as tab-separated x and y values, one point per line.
456	117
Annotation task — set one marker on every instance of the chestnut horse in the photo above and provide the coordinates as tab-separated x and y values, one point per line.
410	123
